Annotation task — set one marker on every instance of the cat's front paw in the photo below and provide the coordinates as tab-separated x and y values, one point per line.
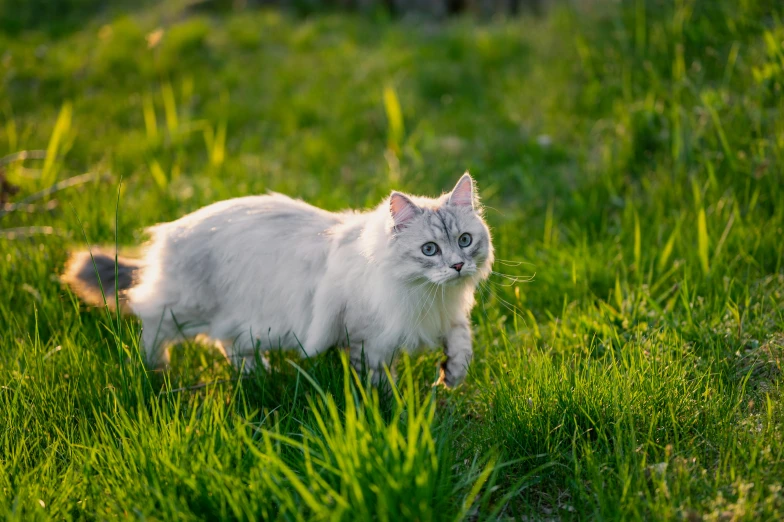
449	379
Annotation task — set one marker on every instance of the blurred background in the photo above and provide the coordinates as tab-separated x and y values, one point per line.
629	154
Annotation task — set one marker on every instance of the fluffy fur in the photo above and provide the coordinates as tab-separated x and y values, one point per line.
95	277
264	272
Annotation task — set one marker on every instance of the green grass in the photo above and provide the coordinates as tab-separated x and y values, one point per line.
630	156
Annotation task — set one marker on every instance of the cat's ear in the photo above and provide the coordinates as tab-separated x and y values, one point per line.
463	193
403	210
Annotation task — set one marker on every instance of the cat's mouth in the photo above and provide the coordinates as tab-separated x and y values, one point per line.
458	278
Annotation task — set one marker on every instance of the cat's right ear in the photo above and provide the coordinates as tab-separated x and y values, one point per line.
403	210
463	193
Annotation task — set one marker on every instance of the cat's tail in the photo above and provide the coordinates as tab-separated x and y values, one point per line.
94	278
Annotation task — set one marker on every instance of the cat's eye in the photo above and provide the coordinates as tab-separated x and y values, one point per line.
430	249
464	240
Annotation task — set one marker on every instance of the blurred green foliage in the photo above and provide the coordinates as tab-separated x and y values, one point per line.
629	155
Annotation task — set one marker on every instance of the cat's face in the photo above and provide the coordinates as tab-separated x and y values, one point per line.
444	240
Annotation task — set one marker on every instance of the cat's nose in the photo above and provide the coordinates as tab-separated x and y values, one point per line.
458	266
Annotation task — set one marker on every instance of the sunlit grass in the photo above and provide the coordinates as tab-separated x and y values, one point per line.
630	160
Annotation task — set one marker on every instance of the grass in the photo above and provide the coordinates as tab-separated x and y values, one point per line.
630	156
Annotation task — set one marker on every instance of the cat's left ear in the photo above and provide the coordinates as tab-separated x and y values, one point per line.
403	210
463	193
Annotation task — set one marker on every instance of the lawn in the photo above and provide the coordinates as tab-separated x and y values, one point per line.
630	158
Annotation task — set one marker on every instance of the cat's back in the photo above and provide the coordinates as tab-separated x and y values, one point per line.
244	234
256	245
243	220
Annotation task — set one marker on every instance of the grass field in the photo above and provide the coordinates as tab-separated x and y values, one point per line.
630	155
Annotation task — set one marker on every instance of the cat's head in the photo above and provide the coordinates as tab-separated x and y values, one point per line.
443	240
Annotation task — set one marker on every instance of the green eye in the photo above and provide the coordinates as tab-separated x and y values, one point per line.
464	240
430	249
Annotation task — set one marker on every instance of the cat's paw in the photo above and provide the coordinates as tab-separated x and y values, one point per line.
441	381
447	379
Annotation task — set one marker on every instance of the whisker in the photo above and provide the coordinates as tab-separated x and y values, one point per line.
414	278
507	262
421	295
500	285
494	209
432	302
506	285
509	306
512	308
515	279
415	288
421	310
484	300
425	292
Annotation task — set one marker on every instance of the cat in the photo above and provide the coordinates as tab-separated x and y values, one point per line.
262	272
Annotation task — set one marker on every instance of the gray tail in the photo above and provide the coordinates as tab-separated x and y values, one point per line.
88	275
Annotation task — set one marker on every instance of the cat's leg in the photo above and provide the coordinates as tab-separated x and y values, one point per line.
243	355
163	327
209	341
459	352
372	357
324	329
158	333
242	359
239	349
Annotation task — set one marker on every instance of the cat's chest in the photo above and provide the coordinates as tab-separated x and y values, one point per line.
431	314
425	318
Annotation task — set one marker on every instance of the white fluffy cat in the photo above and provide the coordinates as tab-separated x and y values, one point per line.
263	272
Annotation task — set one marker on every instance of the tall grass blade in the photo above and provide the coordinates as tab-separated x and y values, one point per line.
394	119
159	175
150	120
61	128
666	252
702	240
170	109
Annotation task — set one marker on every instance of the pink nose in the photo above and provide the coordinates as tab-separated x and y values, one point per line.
458	266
